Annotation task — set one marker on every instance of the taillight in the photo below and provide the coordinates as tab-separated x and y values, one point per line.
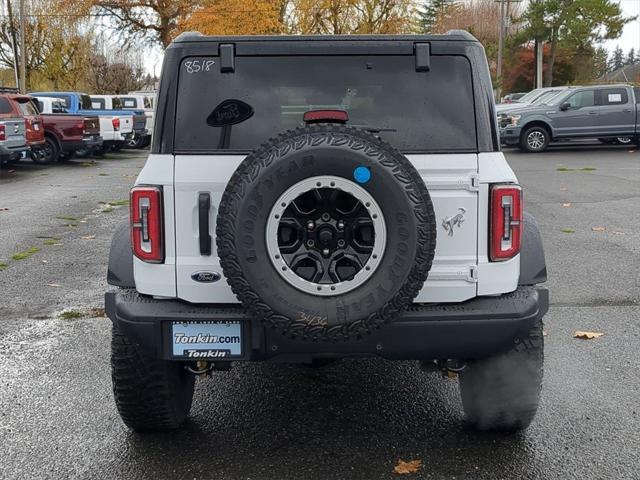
3	134
116	123
80	126
506	222
332	116
146	224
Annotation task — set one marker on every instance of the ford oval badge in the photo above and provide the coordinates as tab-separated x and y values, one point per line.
206	277
230	112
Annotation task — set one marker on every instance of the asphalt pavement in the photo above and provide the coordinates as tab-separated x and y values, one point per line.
351	420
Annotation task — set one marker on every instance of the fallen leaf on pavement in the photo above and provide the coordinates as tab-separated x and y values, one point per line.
567	230
566	205
3	209
403	468
618	233
88	237
98	312
598	229
53	285
544	333
563	189
587	335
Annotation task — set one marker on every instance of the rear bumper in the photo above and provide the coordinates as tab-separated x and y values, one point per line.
86	142
474	329
12	152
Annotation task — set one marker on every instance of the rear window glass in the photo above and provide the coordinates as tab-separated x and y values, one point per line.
5	106
613	96
97	103
414	111
128	102
85	102
27	108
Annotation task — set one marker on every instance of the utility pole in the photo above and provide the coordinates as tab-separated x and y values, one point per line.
14	43
23	51
500	50
539	57
502	33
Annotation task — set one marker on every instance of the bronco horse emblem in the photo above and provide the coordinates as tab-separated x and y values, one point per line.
449	222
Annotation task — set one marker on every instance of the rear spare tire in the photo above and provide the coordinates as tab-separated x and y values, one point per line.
326	233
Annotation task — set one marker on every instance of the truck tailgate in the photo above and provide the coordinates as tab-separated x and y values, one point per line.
14	132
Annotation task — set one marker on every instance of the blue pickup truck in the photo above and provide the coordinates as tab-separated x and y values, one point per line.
80	103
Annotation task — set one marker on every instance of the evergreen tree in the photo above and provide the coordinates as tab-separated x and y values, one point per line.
431	12
631	58
617	59
600	63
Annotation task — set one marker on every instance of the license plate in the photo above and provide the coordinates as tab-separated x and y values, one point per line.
206	340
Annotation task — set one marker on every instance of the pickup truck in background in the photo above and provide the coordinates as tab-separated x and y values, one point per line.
17	105
116	128
539	95
130	102
13	143
605	112
141	134
65	134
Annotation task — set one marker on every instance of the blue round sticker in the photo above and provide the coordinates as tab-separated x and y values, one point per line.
362	174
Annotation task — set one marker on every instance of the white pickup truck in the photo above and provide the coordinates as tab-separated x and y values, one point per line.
141	101
142	125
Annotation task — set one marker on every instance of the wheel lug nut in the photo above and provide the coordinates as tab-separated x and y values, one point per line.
310	225
340	225
325	252
310	243
341	243
326	217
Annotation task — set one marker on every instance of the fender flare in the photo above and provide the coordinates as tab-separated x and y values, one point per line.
52	134
533	267
538	120
120	270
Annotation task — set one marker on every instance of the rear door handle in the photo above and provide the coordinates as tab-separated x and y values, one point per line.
204	206
593	113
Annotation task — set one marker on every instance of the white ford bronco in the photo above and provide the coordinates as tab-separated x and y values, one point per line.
308	199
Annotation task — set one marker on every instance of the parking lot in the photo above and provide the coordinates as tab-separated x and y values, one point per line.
353	419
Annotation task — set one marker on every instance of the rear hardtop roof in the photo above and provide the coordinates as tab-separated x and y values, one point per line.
452	35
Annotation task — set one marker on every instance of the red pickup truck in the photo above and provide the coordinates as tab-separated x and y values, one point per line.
65	133
20	106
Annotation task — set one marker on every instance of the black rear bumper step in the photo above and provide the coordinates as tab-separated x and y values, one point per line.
478	328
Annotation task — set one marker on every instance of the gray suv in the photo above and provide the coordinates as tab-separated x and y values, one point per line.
606	112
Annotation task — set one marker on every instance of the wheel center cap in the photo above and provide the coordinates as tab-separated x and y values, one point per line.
325	236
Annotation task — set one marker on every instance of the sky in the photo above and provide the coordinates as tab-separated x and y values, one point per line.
630	38
631	35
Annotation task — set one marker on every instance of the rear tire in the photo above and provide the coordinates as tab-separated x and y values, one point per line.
535	139
50	153
150	394
503	392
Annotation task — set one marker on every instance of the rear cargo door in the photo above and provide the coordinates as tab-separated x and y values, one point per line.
453	183
426	113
